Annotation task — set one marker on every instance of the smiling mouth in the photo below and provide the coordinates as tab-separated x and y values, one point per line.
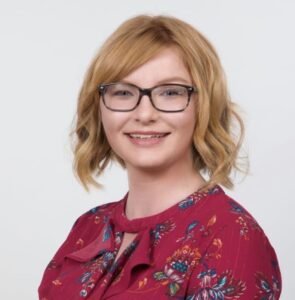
147	136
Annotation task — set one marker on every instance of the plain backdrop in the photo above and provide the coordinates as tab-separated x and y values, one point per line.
46	47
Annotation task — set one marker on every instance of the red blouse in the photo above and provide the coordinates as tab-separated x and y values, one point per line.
207	246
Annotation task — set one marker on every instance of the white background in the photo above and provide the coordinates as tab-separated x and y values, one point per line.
46	47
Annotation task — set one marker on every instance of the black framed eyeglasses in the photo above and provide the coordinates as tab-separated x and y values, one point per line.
168	97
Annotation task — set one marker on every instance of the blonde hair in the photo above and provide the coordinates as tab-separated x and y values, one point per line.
215	147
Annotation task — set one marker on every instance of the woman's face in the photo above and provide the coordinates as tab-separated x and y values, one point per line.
155	153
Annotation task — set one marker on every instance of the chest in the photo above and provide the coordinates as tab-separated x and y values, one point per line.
126	240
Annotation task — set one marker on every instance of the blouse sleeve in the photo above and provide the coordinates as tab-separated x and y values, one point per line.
240	263
54	266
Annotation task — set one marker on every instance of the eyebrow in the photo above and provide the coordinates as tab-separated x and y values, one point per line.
171	79
167	80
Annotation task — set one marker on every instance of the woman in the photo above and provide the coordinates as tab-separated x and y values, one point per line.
155	100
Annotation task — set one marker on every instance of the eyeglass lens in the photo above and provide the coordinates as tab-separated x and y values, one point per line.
165	97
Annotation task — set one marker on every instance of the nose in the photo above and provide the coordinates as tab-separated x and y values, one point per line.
145	111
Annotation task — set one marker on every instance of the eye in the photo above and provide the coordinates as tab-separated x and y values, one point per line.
173	91
122	93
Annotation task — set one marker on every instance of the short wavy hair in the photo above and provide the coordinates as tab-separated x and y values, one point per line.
215	144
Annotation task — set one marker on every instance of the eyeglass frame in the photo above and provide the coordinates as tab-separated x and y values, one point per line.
148	92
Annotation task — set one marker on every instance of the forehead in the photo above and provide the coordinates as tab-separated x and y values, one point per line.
166	65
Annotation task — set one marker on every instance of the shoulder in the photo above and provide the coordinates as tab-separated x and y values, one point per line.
229	213
94	217
242	238
239	252
233	230
85	229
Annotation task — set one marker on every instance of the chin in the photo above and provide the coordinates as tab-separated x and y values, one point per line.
146	165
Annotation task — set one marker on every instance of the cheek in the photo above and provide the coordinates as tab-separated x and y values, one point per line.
186	129
112	124
110	132
190	119
185	123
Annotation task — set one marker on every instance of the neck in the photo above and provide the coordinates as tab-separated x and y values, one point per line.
153	191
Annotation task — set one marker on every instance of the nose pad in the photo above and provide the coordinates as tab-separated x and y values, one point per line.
142	99
145	112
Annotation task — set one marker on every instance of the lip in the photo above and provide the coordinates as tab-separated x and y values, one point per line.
146	132
149	141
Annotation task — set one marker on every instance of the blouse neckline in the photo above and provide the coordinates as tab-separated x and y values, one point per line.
140	224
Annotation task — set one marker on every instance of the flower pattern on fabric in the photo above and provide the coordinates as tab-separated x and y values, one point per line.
93	270
177	267
161	230
206	246
245	220
214	286
267	289
189	231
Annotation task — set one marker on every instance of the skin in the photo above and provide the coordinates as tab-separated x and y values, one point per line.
161	175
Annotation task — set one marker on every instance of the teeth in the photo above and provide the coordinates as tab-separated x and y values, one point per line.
138	136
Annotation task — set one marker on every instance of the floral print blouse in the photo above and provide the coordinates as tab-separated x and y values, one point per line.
207	246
